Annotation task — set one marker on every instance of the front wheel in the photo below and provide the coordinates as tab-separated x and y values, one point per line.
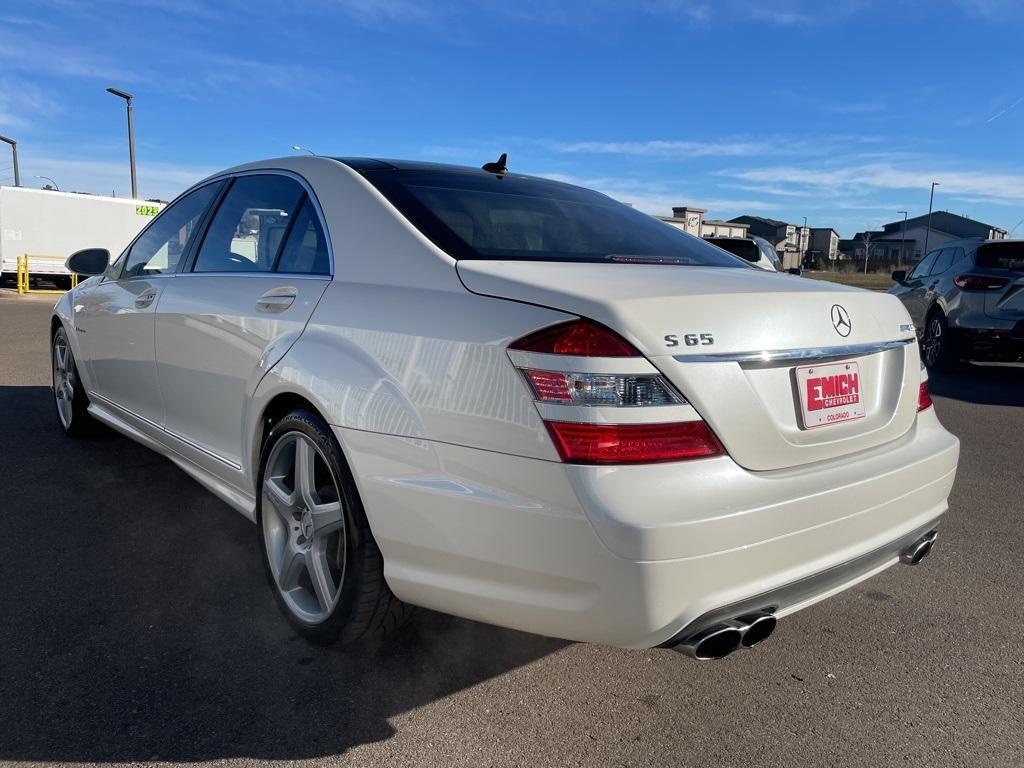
68	393
937	351
320	558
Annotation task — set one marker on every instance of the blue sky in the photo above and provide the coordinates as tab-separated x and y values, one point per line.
840	111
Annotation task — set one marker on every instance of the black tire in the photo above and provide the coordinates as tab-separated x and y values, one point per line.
937	348
79	422
366	609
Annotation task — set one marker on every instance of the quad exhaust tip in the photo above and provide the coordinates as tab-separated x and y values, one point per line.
719	640
920	549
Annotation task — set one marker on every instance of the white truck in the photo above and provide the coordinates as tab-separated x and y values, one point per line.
49	226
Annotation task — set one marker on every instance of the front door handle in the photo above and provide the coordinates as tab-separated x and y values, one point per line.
276	300
143	300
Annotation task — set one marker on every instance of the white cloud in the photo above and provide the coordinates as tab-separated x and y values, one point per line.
1008	187
162	180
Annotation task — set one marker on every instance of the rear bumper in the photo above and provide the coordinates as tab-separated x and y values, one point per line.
632	556
994	344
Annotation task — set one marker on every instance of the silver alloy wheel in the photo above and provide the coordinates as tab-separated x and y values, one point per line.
304	527
63	379
932	342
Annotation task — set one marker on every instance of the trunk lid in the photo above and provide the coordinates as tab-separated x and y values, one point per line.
752	402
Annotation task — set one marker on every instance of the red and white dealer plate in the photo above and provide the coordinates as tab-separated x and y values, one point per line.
829	394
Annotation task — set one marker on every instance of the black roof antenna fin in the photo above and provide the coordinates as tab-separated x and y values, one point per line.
498	167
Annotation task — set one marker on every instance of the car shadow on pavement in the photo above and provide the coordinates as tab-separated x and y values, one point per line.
136	624
981	384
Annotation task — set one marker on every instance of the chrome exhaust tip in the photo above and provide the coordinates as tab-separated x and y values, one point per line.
758	627
919	550
715	642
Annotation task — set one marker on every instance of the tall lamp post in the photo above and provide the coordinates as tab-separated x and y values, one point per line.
928	229
806	243
14	151
131	136
903	240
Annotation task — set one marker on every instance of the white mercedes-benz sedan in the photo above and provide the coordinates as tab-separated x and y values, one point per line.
509	399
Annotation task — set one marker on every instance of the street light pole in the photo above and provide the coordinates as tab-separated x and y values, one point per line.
807	243
297	148
928	230
14	151
903	240
131	136
47	178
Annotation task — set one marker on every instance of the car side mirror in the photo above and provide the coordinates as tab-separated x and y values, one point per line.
794	271
91	261
899	276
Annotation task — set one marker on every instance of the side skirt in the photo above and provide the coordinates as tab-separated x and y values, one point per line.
232	497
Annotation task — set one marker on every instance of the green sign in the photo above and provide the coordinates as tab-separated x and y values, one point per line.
147	210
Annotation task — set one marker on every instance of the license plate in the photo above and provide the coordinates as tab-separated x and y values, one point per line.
829	394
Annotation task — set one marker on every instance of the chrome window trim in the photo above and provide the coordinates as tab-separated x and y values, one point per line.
810	353
311	195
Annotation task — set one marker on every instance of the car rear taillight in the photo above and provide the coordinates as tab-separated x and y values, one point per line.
612	408
581	338
924	398
633	443
980	282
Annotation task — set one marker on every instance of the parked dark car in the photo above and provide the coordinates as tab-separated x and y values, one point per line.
967	301
756	250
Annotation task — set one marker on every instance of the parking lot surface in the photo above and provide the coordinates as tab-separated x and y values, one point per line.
135	626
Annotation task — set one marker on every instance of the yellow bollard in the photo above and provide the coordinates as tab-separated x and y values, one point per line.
22	275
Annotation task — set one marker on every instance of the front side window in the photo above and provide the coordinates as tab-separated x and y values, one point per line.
251	223
925	265
160	248
482	216
943	262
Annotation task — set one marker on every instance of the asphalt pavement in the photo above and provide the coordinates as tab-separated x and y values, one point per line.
135	626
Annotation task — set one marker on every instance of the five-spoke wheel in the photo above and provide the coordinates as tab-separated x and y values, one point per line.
304	527
68	392
319	554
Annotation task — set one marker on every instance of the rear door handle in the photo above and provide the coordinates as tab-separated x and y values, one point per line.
143	300
276	300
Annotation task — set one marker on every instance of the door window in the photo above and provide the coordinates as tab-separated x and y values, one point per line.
924	266
159	249
943	262
305	251
250	225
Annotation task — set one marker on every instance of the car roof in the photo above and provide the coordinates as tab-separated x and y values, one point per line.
389	164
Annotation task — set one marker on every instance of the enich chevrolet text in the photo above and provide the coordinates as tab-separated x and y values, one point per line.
510	399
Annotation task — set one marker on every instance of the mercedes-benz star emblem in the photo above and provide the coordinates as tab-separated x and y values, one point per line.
841	320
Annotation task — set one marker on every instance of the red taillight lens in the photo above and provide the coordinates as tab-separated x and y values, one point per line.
633	443
980	282
582	338
924	399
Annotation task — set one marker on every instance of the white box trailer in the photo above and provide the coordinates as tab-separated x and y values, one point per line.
49	226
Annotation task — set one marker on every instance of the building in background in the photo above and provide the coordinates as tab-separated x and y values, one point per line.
824	244
692	221
892	245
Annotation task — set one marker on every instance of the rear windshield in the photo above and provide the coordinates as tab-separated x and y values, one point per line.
745	249
1001	256
482	216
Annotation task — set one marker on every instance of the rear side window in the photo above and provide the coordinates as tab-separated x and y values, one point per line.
482	216
250	225
305	251
1001	256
